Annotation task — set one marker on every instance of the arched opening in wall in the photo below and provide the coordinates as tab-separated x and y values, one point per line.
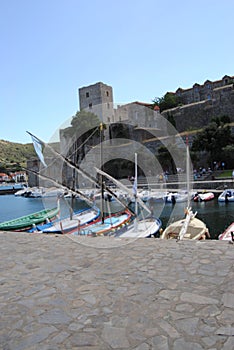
122	169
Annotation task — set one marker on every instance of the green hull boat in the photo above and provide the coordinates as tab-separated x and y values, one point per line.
24	223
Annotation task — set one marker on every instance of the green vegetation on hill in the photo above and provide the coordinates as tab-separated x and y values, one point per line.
13	155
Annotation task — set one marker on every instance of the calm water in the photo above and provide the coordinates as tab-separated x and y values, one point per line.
217	216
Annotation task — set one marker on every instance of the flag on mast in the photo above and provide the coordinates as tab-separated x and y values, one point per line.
38	148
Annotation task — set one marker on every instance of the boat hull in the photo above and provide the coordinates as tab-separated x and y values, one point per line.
227	234
196	230
68	225
144	228
227	196
107	226
25	223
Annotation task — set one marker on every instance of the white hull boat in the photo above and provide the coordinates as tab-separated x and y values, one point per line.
228	234
106	226
69	225
227	196
143	228
203	197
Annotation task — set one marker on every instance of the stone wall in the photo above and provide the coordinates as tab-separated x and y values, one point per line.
199	114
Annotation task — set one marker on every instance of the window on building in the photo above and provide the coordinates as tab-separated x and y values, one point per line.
107	93
87	94
90	105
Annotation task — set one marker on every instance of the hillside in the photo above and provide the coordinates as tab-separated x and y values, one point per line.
13	155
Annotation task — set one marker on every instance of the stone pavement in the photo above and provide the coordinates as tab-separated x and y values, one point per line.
105	293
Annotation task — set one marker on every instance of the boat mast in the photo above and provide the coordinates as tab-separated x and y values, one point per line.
135	192
187	171
101	179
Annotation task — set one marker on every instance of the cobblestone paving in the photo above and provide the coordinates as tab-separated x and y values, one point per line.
58	293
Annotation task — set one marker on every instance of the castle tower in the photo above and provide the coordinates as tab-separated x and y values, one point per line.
98	99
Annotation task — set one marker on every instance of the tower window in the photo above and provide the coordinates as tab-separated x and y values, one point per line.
87	94
90	105
107	93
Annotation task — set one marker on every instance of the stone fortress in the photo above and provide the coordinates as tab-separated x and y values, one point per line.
98	99
199	104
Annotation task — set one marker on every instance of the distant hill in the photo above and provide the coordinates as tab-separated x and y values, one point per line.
13	155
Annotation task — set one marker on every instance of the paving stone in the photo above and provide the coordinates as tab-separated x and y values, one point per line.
33	339
143	346
226	330
188	325
197	299
84	339
54	316
169	329
181	344
160	342
226	317
115	337
228	300
229	344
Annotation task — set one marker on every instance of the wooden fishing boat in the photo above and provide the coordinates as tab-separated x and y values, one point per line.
69	225
228	234
187	228
105	226
148	227
25	223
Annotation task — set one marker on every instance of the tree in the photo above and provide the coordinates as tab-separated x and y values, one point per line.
169	100
214	139
166	160
83	125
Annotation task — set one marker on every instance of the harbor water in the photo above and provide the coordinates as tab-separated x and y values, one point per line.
217	216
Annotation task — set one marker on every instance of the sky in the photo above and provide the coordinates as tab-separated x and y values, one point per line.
51	48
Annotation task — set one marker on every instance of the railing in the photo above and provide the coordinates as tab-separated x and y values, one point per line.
198	185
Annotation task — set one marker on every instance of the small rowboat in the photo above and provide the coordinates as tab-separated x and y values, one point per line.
188	228
25	223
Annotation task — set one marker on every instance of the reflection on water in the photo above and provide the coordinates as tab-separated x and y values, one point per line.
217	216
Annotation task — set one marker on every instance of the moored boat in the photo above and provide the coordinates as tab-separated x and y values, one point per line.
143	228
187	228
205	196
226	196
228	234
69	225
26	222
105	226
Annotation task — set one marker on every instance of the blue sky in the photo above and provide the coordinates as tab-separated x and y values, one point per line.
50	48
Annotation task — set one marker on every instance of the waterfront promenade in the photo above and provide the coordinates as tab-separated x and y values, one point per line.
64	292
